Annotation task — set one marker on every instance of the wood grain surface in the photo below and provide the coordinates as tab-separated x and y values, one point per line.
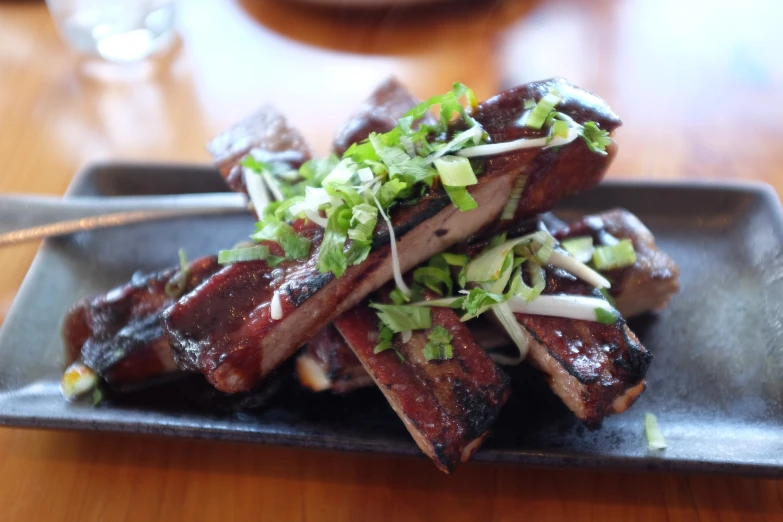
698	84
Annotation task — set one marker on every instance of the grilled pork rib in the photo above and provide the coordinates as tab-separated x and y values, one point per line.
267	131
447	406
596	369
647	285
379	113
235	355
119	334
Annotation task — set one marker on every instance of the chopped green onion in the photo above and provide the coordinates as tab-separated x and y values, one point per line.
331	257
438	346
273	229
537	279
607	296
560	129
581	248
455	171
455	259
652	432
619	255
539	113
400	318
596	139
510	210
568	306
384	339
363	220
545	246
529	104
488	265
604	316
177	285
238	255
508	321
478	301
580	270
461	198
398	297
433	278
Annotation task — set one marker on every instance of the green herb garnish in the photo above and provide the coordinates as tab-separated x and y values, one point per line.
438	346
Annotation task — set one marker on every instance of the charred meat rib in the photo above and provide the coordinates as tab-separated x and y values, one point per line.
119	334
236	355
596	369
447	406
647	285
328	363
265	131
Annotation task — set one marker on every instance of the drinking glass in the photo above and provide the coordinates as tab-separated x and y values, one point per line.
116	30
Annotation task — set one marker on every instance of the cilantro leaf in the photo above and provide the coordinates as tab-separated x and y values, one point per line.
596	139
438	346
401	318
331	257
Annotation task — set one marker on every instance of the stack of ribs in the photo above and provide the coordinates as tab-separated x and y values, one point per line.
221	324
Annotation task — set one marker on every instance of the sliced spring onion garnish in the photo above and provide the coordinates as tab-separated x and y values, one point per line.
395	258
406	336
538	280
560	129
238	255
272	185
276	307
315	217
505	316
365	174
77	380
256	190
494	149
652	432
580	270
455	171
568	306
399	318
510	210
488	265
618	255
474	133
461	198
539	113
581	248
604	317
444	302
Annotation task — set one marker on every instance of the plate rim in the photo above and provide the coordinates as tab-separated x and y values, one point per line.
190	428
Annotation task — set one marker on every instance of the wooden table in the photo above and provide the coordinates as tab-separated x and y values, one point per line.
697	83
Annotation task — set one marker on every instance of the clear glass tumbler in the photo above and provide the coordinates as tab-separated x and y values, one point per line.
116	30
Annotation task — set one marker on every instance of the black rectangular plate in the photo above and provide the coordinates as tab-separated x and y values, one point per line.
716	383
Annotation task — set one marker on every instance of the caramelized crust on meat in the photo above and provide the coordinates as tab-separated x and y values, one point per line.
379	113
238	360
119	334
648	284
596	369
446	405
266	130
